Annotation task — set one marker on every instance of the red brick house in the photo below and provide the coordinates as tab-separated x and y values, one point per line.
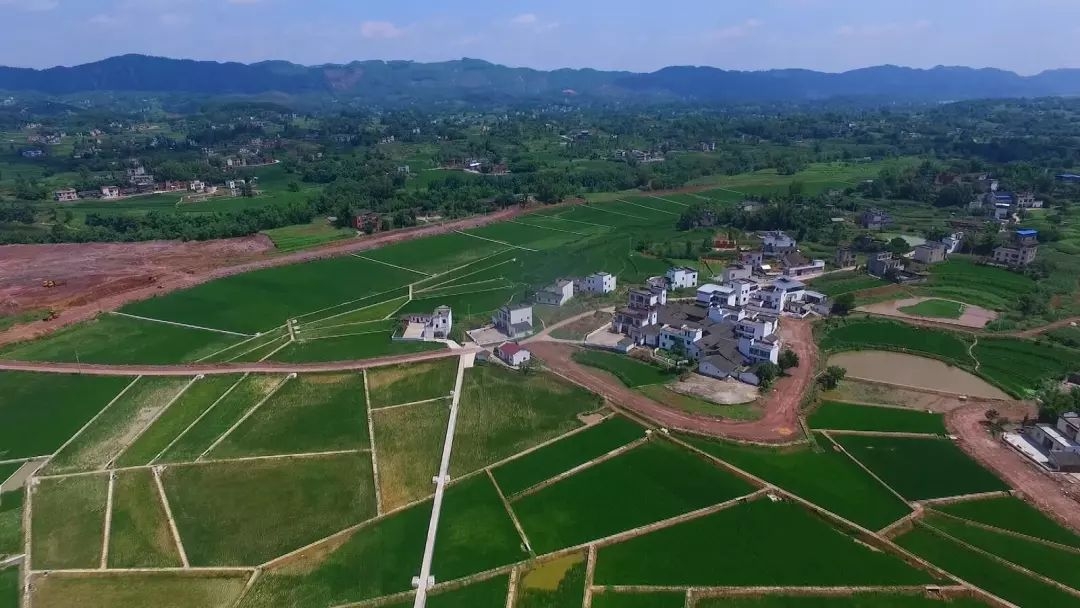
367	221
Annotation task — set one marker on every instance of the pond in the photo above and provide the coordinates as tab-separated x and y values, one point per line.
915	372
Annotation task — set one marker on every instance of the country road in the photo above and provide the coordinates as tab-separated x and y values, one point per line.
189	369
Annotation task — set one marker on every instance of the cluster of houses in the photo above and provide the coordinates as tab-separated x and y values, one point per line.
1004	205
140	182
563	290
725	329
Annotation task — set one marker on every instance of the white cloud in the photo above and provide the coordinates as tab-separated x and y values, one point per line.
525	19
380	30
103	19
533	22
173	19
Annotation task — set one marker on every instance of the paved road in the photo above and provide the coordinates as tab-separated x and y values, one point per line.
779	424
208	369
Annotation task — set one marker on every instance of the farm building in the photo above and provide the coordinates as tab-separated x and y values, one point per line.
845	258
514	321
931	253
513	354
67	194
882	263
600	282
434	326
682	278
1058	442
1020	251
776	241
367	221
754	259
558	293
874	219
1027	200
797	265
110	192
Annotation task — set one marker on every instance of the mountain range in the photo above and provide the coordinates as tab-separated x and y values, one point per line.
477	80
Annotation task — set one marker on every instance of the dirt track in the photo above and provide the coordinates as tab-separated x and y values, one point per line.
96	277
227	368
780	424
1037	487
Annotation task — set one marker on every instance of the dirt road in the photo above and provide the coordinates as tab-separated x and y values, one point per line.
95	277
194	369
780	424
1037	487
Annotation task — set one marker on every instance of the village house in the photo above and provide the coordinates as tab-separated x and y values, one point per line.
1020	251
435	326
931	253
110	192
874	219
558	293
514	321
845	257
599	283
797	265
367	221
681	278
735	272
753	259
952	242
712	294
513	354
776	242
1060	443
1027	200
782	292
880	264
66	195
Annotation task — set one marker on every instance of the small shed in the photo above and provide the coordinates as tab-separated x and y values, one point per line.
513	354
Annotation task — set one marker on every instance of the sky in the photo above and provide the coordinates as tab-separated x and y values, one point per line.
1026	36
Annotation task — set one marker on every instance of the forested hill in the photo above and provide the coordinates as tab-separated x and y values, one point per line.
476	80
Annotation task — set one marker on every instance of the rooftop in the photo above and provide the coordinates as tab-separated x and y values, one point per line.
1027	232
510	348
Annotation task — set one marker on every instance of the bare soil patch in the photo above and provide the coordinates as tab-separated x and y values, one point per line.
720	392
856	391
910	371
974	317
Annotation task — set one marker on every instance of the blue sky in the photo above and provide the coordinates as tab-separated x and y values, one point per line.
1023	35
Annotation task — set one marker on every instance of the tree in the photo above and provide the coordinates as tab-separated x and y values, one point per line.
789	359
899	246
832	377
843	304
767	373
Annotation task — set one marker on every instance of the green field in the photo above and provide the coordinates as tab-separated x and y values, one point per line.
839	283
114	339
350	348
660	599
244	513
1020	366
223	414
858	600
490	592
964	280
11	512
68	522
410	383
408	443
157	590
766	544
6	470
1010	513
632	373
10	587
140	536
259	300
826	478
475	531
834	415
120	424
62	404
303	236
1056	564
921	468
186	410
310	413
551	460
983	571
866	334
502	412
935	309
606	499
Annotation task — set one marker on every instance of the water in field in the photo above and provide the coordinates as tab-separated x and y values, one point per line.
917	372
